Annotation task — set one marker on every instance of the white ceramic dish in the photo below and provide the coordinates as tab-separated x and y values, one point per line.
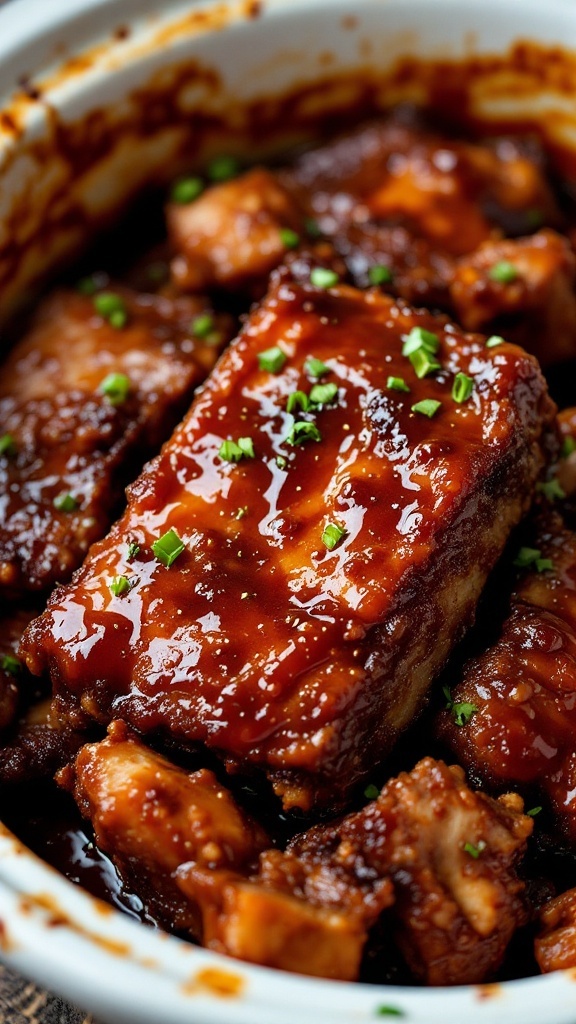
88	71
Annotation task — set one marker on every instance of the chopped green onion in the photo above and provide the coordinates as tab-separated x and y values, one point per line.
397	384
462	388
281	462
461	710
316	368
290	239
423	363
119	585
568	446
371	792
11	665
111	307
503	272
323	394
272	359
544	565
65	502
168	547
203	325
332	536
186	190
551	489
222	168
428	407
302	432
116	388
322	277
312	228
475	851
380	275
133	550
420	338
298	400
8	445
234	451
494	340
529	556
533	812
389	1011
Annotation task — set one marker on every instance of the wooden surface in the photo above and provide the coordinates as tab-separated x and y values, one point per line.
24	1003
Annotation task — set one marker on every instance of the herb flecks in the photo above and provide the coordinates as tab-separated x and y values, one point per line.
302	431
168	547
235	451
119	586
116	387
332	536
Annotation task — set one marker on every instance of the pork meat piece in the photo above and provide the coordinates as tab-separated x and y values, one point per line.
399	194
512	716
312	541
12	625
151	817
555	946
524	287
84	399
234	234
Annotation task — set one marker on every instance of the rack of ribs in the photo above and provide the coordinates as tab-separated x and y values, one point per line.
294	568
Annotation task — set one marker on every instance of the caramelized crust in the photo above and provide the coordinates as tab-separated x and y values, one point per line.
70	439
259	640
555	946
523	689
12	625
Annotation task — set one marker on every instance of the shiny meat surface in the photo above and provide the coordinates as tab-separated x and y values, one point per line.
151	817
520	696
451	854
530	283
234	234
318	586
555	946
69	448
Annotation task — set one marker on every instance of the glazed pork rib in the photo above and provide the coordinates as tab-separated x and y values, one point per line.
85	398
311	543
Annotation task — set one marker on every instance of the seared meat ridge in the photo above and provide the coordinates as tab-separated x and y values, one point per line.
322	563
85	397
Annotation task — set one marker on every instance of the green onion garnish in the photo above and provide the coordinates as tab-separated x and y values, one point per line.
397	384
332	536
462	388
532	556
427	407
544	565
322	277
474	851
302	432
298	400
503	272
281	462
494	340
533	812
186	190
551	489
234	451
222	168
463	712
203	325
323	394
116	388
380	275
315	368
272	359
8	446
65	502
133	550
11	665
312	228
111	307
119	585
423	363
371	792
568	446
290	239
168	547
420	338
389	1011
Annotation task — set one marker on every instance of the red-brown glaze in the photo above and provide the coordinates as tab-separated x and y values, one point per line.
555	946
524	687
70	438
258	641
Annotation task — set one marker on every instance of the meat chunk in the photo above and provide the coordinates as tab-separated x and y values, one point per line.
151	816
451	856
12	625
321	564
518	700
527	287
37	746
555	946
400	194
234	234
82	404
